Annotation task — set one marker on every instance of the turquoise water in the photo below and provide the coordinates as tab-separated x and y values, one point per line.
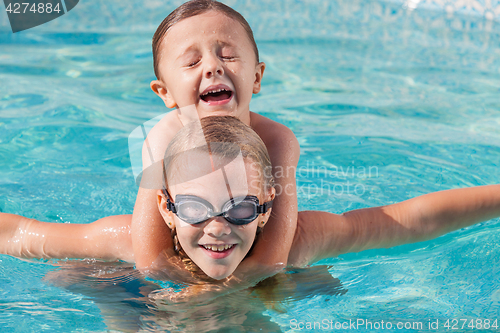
386	103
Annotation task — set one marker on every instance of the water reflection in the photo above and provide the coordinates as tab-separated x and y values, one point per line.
122	295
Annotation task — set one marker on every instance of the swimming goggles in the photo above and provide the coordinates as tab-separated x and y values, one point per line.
239	211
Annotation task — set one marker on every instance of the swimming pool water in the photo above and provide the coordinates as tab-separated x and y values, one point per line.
387	104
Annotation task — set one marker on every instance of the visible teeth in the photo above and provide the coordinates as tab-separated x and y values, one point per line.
213	91
218	248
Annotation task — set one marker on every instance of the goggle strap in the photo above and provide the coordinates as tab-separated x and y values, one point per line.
262	209
171	206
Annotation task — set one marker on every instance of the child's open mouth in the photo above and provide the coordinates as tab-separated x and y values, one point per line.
218	252
217	96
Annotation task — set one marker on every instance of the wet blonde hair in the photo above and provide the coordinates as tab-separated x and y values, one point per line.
224	137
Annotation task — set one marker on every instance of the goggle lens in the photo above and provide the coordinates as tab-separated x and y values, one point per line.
192	211
243	210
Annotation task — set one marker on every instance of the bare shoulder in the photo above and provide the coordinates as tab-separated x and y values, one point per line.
279	139
159	137
166	128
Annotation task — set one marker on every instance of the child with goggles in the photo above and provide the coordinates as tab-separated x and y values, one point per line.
217	208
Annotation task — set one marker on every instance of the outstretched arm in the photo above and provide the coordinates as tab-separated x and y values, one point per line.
106	239
323	235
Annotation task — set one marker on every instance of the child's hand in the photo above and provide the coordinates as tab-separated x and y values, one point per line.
203	291
169	267
198	293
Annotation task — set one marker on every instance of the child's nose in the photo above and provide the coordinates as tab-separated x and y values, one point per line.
218	227
213	67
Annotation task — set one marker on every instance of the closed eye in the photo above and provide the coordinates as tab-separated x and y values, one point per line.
193	63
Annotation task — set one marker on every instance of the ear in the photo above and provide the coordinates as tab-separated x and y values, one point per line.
259	72
167	215
160	89
271	194
263	218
